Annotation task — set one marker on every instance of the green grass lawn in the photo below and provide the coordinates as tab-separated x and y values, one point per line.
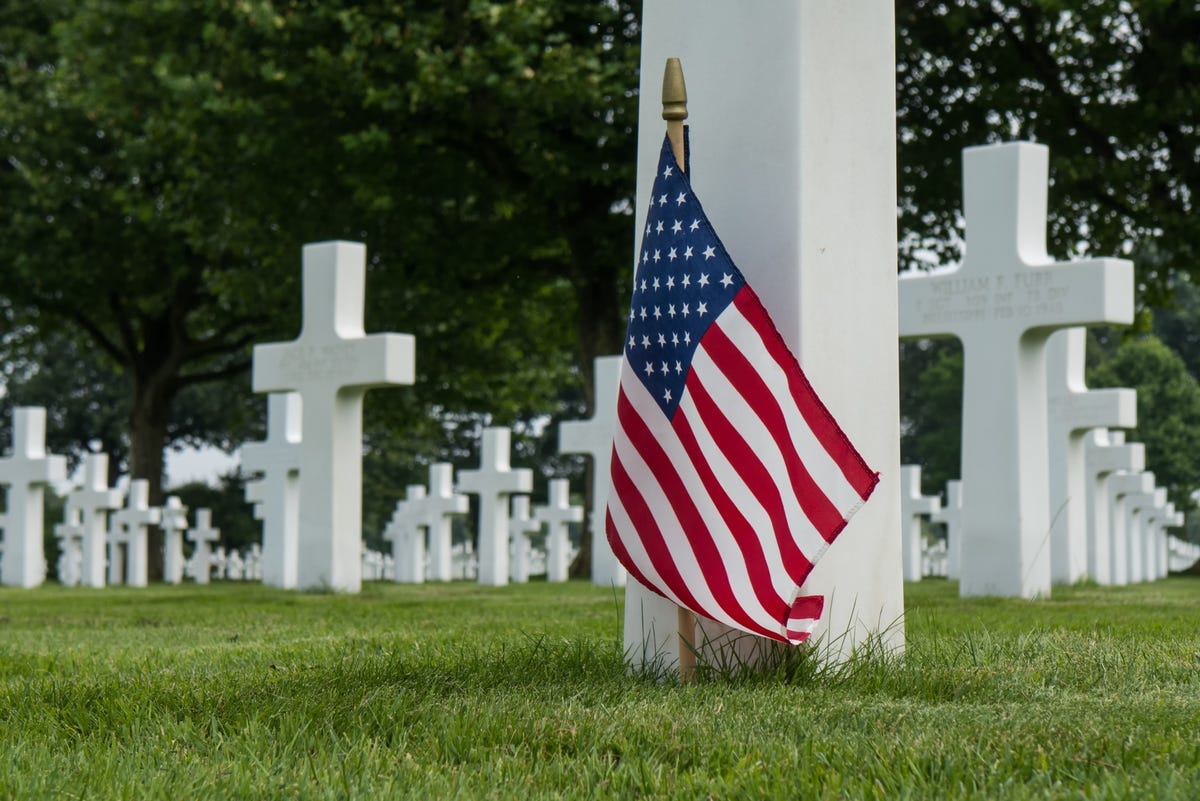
457	691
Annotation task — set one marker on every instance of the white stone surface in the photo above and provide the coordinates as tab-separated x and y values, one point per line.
25	473
558	514
520	525
174	523
950	515
203	536
69	534
130	526
235	566
1106	454
405	530
1120	487
254	563
442	503
594	437
1140	511
276	495
1073	411
913	506
331	365
807	207
94	500
1003	302
494	482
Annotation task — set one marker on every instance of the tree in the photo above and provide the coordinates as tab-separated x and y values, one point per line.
1110	87
165	160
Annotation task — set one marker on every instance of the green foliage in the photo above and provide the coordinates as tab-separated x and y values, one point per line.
469	692
230	512
1110	87
1168	411
931	399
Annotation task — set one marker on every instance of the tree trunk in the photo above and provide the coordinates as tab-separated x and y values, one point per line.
147	439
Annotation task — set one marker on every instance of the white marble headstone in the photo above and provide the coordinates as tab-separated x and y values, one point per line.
494	482
331	365
69	534
950	515
558	514
1106	454
521	524
276	495
174	523
405	530
441	504
1120	487
25	473
203	536
1003	302
130	524
94	500
914	505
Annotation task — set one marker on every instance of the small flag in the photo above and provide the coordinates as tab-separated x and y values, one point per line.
729	476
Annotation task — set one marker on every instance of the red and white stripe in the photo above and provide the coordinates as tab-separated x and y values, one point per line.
725	508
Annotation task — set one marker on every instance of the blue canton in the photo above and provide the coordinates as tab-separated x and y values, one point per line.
683	280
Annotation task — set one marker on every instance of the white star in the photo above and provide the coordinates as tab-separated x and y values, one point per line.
709	252
671	254
675	341
671	311
687	254
662	201
686	312
665	369
666	393
648	225
656	257
645	341
645	256
687	338
643	314
677	227
643	284
687	280
662	341
727	280
632	343
656	281
701	308
678	368
670	282
695	224
679	201
657	313
631	314
649	368
658	229
667	172
703	279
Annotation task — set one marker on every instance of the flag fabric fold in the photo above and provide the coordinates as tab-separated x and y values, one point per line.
729	476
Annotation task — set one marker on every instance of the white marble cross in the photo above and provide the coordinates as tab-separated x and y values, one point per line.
26	473
950	515
330	366
203	535
69	534
1139	511
1106	454
520	525
94	500
1121	486
594	437
440	505
174	523
130	524
556	514
1073	411
1003	303
912	506
493	482
406	533
277	494
235	566
254	562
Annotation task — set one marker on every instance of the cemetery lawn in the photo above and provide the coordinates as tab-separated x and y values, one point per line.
458	691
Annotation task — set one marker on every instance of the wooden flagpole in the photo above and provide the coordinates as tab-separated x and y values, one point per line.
674	102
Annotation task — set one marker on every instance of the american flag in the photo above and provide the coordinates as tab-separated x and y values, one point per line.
730	478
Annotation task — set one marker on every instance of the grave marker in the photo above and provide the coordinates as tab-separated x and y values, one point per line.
1139	506
1003	303
94	500
202	536
1073	411
594	437
130	524
174	523
950	515
520	525
441	504
494	482
1121	486
69	534
1106	454
557	514
276	495
26	473
912	506
331	365
405	531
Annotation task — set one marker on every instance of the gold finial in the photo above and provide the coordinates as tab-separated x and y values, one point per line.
674	100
